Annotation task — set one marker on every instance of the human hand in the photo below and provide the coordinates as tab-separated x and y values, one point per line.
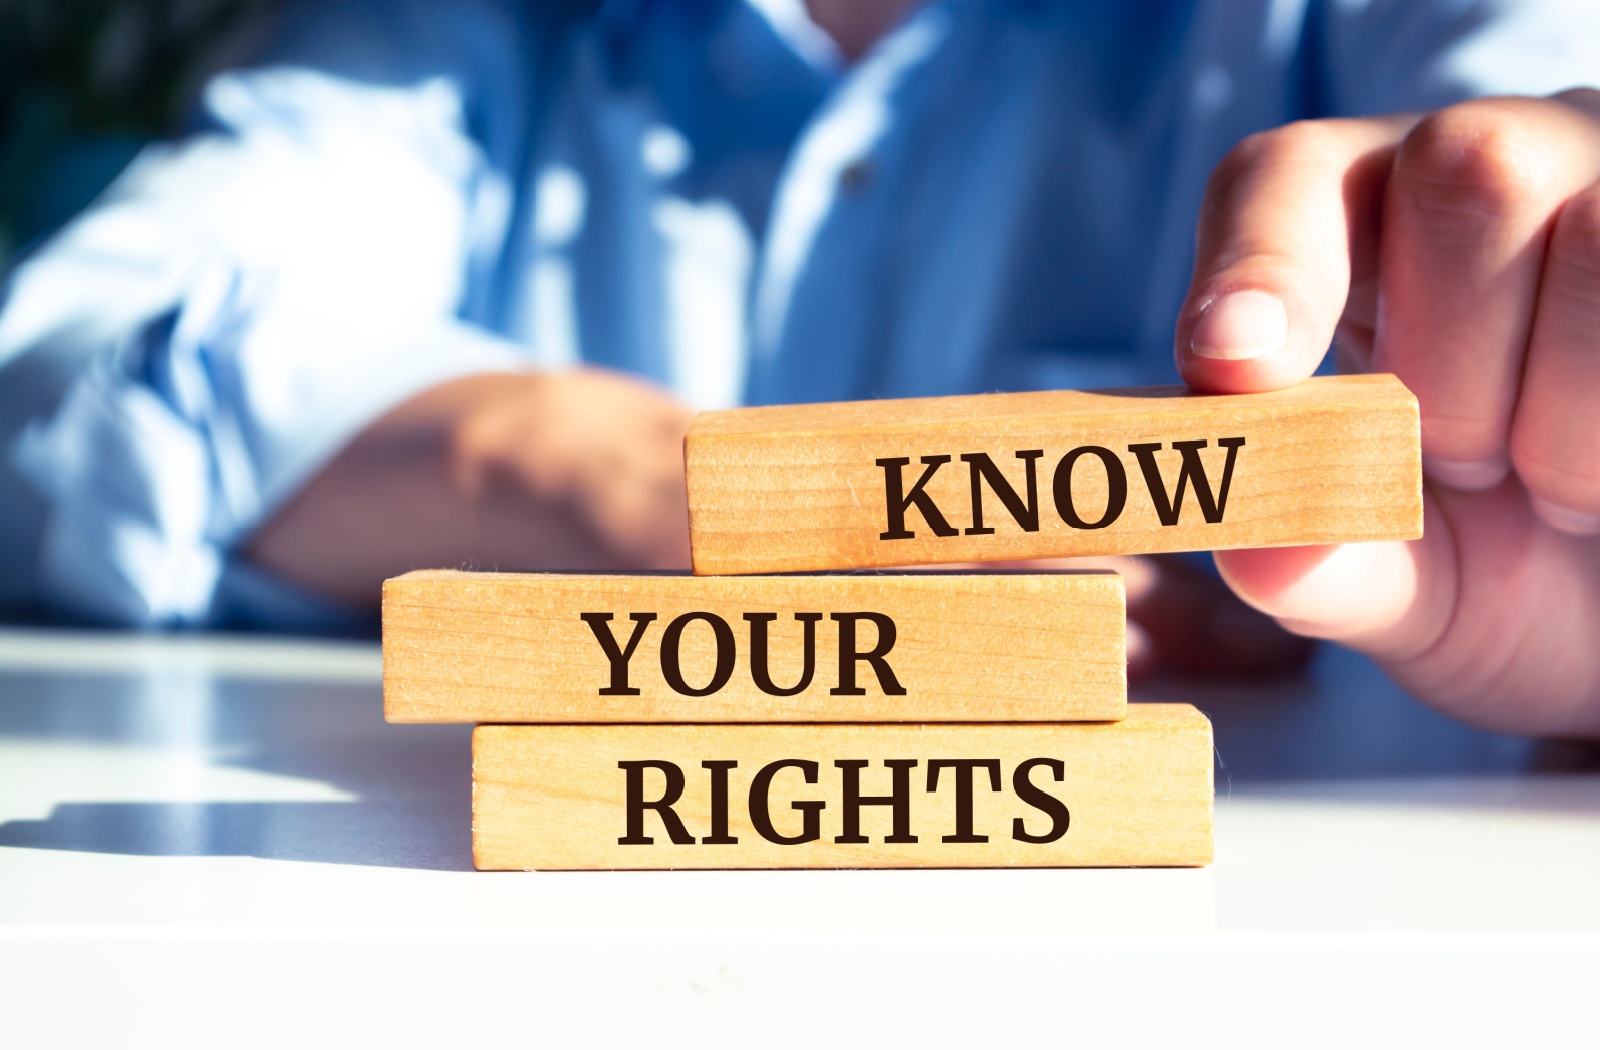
568	471
603	446
1460	251
1183	621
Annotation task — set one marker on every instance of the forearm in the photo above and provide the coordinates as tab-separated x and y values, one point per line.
513	472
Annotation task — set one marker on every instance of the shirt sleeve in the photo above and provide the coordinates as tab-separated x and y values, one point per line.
247	300
1393	55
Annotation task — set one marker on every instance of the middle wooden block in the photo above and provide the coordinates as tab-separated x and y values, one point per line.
861	647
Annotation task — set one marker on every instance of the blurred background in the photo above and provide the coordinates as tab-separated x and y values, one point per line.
85	83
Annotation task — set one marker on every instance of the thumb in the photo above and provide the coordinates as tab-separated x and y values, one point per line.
1392	600
1289	216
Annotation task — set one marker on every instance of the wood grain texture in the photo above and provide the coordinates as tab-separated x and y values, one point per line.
1136	792
796	487
511	647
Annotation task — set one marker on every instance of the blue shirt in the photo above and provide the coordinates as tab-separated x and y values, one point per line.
1000	195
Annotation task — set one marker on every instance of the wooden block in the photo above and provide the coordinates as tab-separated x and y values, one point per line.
1064	473
1135	792
929	647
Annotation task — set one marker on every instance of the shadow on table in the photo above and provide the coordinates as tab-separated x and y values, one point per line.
1565	795
419	835
410	786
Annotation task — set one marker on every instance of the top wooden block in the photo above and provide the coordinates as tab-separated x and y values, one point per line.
995	477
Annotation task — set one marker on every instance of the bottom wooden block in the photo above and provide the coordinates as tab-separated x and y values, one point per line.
1132	793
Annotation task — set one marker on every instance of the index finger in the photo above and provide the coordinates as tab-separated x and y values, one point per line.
1289	217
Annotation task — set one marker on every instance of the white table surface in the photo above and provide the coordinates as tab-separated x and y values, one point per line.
218	841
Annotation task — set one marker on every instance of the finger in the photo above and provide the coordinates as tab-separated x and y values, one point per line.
1469	207
1183	621
1391	600
1448	615
1138	577
1142	663
1197	629
1555	442
1288	218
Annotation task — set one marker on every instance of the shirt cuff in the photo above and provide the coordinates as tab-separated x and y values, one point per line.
165	455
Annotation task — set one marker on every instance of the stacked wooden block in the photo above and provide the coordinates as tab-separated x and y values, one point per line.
861	718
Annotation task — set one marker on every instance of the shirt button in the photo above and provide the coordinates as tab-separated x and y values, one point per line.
855	176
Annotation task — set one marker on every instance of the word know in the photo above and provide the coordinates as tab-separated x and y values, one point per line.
1024	511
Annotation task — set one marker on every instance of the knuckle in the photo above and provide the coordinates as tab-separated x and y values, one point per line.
1583	99
1310	140
1303	142
1269	152
1478	159
1232	170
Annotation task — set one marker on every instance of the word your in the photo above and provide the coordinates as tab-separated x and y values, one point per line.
851	801
1025	511
672	640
